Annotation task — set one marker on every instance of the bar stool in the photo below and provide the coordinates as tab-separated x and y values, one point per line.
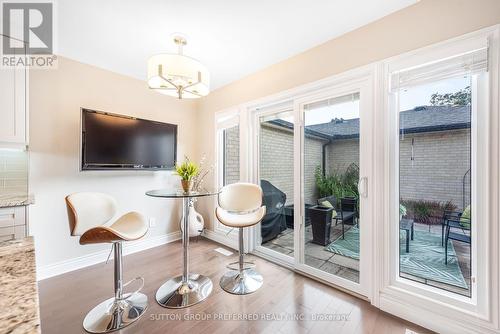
240	206
90	216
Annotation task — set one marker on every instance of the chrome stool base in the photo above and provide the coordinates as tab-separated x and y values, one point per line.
112	314
243	283
175	294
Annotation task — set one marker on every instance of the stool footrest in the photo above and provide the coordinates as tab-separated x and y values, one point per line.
236	265
130	294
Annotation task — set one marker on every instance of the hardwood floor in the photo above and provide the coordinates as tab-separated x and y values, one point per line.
286	303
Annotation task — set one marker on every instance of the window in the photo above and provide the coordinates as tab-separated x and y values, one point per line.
228	149
435	104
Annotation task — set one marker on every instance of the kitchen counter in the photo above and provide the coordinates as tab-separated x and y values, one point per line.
9	200
18	288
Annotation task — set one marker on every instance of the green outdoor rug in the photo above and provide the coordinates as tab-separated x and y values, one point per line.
425	259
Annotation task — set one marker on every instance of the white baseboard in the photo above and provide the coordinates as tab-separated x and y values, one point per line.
65	266
226	240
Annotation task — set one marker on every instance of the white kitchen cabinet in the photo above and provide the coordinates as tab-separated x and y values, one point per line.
13	107
13	223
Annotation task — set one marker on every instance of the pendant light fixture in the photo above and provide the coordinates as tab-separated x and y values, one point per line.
178	75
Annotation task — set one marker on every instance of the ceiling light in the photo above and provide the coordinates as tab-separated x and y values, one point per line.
178	75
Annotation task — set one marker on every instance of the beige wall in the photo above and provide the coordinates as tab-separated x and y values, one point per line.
55	100
425	23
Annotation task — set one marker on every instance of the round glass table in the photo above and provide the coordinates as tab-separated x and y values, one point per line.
187	289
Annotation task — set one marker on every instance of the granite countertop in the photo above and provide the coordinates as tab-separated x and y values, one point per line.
18	287
9	200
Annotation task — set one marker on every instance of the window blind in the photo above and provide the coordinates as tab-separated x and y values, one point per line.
464	64
333	101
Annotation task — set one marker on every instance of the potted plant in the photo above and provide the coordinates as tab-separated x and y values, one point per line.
187	170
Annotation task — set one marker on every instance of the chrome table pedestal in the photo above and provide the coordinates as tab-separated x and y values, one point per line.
188	289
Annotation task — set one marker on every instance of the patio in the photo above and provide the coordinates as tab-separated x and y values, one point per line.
348	267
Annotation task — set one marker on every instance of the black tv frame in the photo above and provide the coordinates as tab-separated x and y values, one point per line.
113	167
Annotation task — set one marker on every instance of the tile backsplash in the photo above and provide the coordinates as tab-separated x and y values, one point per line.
13	172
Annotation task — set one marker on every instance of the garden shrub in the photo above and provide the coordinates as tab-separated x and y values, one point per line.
427	212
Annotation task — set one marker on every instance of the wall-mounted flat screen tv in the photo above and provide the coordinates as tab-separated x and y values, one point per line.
113	142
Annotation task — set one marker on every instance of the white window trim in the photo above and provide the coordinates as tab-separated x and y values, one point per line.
411	300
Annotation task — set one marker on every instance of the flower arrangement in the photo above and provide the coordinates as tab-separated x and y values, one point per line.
187	171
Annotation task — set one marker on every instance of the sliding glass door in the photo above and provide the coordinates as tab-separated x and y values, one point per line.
331	173
311	157
335	137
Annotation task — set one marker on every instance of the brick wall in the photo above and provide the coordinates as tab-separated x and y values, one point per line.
340	154
313	159
276	158
276	161
232	155
441	160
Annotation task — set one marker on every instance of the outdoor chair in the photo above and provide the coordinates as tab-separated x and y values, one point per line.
458	229
348	211
446	215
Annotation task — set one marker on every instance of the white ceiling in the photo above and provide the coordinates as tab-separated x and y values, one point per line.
233	38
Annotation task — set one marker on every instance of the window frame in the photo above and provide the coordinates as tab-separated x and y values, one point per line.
397	293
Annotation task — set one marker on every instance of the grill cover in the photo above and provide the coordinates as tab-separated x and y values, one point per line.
274	221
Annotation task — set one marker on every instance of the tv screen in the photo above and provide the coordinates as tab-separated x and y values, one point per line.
112	141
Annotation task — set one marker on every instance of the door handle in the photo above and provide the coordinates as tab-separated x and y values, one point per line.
363	191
